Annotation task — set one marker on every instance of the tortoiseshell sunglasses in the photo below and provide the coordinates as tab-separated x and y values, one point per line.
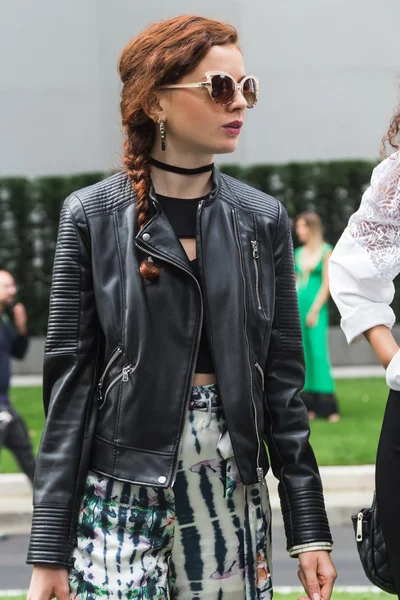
222	87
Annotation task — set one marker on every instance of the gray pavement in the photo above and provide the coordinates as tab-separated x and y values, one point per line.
346	490
15	574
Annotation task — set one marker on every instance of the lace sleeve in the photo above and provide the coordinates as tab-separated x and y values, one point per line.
376	225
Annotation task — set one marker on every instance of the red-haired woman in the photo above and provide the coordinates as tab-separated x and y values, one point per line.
362	268
173	352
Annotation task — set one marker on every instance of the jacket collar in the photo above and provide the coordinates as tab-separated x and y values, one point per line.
157	236
208	199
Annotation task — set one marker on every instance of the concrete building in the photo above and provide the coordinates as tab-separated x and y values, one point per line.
328	71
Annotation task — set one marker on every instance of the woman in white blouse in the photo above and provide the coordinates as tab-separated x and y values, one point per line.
361	272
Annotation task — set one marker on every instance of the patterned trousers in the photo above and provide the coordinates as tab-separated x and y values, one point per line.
208	537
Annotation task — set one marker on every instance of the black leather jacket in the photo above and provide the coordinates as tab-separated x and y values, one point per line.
121	353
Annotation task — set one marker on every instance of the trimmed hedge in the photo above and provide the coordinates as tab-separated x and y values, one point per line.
29	212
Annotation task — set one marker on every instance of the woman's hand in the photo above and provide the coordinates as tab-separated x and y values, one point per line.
20	318
49	582
317	575
312	317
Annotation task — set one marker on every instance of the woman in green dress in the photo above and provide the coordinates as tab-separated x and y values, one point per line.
311	261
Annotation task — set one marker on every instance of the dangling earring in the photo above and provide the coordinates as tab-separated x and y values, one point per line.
162	131
162	135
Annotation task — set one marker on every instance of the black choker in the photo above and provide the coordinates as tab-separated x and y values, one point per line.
180	170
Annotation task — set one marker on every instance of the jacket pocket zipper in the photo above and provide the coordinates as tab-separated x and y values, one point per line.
256	256
123	376
113	359
259	369
259	469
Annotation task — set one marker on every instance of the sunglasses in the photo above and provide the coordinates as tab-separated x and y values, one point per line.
222	88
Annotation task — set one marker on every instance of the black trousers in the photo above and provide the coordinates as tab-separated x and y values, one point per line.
388	483
14	436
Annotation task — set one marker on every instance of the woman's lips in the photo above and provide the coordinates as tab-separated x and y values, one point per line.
234	127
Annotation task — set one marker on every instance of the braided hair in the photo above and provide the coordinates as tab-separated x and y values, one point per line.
137	147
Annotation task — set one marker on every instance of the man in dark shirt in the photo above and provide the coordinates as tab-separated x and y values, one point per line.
13	343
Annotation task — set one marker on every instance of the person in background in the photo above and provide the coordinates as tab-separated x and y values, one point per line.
311	261
13	344
363	265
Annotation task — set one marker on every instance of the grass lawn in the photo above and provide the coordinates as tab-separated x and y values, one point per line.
352	441
28	401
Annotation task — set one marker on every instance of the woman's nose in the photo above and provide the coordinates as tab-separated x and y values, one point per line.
238	102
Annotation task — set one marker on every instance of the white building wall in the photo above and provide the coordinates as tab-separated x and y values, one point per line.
328	71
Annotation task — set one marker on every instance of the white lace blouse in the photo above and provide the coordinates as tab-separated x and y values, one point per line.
367	257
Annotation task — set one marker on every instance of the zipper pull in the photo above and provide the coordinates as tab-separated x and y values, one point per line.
359	535
100	396
125	373
254	245
260	476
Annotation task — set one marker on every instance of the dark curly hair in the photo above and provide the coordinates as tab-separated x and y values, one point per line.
391	139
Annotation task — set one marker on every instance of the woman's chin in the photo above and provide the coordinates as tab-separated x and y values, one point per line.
227	147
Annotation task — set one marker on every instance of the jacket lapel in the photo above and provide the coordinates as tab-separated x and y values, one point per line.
159	239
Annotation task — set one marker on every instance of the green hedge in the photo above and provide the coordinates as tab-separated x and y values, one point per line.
29	211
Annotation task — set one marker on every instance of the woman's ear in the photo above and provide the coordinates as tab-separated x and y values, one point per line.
154	108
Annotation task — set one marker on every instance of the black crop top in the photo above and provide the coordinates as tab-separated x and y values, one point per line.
182	216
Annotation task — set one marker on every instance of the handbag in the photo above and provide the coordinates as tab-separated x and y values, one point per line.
372	549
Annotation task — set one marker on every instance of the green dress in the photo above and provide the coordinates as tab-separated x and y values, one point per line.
315	339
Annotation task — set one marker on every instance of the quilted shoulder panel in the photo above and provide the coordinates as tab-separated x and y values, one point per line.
248	198
106	196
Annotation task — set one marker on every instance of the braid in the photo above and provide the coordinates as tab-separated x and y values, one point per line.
137	147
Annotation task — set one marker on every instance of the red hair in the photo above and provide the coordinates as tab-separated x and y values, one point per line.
162	54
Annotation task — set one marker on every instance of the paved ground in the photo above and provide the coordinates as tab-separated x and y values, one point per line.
15	574
358	372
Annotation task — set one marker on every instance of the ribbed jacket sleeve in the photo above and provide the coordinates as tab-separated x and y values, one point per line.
69	379
287	431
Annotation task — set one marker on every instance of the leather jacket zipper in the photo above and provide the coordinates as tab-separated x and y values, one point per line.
112	360
172	262
256	256
260	472
124	376
194	363
259	369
